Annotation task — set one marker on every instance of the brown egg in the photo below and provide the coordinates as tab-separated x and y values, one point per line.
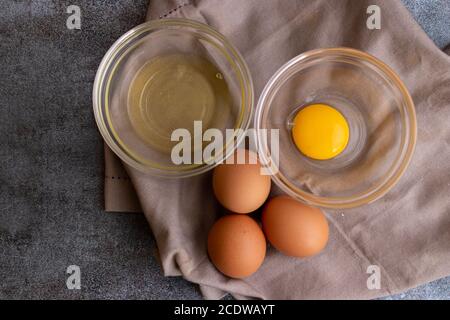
236	245
294	228
241	188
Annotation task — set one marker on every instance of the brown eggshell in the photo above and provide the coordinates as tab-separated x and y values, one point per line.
236	245
294	228
241	188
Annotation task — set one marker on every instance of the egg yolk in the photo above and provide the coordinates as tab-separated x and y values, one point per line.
320	131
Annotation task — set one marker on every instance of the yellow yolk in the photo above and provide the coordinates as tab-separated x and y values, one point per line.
320	131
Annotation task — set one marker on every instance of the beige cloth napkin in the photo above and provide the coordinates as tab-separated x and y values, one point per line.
406	233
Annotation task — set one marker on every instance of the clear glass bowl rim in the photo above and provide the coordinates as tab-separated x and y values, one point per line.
369	195
133	34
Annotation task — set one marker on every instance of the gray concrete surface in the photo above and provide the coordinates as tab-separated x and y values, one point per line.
51	173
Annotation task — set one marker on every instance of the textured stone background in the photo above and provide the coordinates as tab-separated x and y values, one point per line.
51	173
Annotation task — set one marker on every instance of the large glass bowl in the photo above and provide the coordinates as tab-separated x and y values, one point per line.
377	107
128	55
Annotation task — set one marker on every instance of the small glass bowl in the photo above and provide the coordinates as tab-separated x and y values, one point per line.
126	57
377	107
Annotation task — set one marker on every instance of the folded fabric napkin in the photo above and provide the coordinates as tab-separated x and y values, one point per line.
406	233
